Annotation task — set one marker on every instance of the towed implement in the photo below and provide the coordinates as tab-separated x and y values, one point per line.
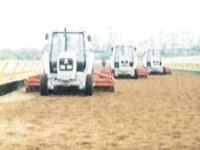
168	70
142	72
32	83
103	77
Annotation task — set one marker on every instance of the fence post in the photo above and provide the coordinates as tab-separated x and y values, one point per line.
14	71
2	71
30	69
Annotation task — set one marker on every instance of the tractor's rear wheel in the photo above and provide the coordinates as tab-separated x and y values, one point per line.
112	89
27	89
164	70
113	71
89	89
136	74
44	85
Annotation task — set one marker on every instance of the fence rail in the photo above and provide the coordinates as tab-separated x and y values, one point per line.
184	63
18	70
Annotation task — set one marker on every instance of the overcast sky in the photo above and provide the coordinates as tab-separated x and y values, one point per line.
23	23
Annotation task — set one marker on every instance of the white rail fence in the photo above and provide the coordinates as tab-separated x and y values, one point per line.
18	70
191	63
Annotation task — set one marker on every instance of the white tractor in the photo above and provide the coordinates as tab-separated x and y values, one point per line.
68	63
153	61
124	61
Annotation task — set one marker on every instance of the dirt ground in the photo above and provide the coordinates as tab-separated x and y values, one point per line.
158	113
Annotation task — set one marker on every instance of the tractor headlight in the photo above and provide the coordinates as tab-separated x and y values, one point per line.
69	67
62	67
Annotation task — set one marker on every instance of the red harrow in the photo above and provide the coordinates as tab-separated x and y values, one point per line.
104	78
32	83
168	70
142	72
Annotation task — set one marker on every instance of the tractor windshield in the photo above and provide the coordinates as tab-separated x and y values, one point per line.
66	41
70	42
154	53
124	51
58	45
75	43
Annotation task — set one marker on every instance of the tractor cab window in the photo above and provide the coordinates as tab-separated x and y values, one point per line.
75	43
72	42
154	53
58	45
118	53
124	51
69	41
128	51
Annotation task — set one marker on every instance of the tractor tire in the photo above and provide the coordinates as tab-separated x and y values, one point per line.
44	91
115	76
136	74
164	71
27	89
89	89
112	89
112	71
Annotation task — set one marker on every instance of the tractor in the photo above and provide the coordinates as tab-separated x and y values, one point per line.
153	61
124	61
68	63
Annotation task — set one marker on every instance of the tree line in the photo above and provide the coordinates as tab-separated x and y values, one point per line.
21	54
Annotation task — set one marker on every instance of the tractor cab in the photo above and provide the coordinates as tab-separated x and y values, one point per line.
124	61
153	61
65	45
68	64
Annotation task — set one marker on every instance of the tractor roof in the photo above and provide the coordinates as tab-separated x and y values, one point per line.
153	50
78	32
124	46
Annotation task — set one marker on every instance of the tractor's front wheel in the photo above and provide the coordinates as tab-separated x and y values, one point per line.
89	89
44	85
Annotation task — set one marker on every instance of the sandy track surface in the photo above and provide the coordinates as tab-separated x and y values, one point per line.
161	112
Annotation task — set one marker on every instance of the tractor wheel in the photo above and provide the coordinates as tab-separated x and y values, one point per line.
112	89
114	74
44	86
136	74
112	71
89	89
164	70
27	89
